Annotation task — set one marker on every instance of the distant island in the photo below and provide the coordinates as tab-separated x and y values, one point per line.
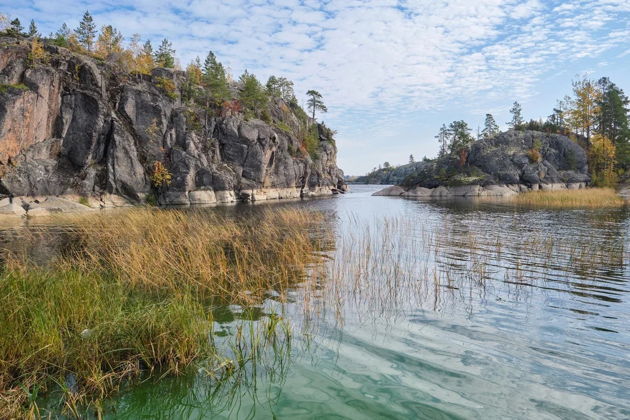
585	141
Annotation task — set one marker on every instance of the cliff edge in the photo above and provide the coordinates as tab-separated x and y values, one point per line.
78	128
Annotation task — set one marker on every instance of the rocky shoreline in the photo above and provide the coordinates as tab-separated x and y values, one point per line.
35	206
504	190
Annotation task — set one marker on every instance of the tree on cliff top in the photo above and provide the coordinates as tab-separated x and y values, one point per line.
252	95
315	102
280	87
86	32
490	127
165	55
517	116
109	41
32	30
215	79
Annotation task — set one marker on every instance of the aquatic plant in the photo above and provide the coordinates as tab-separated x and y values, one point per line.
583	198
136	296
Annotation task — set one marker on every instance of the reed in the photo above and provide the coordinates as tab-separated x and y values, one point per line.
135	296
583	198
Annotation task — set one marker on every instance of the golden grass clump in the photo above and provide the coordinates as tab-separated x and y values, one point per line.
136	294
583	198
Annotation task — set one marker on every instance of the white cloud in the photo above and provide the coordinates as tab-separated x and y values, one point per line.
373	58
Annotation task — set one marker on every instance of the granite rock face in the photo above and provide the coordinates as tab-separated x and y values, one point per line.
508	159
506	164
76	126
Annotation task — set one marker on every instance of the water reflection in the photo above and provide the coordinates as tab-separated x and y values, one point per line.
417	309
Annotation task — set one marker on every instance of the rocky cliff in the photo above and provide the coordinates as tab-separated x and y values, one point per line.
507	163
77	127
391	175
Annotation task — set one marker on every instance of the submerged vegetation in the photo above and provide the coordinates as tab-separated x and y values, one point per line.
136	296
583	198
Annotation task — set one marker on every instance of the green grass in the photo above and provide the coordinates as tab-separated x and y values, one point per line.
137	297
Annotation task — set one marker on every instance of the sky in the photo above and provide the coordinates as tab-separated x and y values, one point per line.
391	71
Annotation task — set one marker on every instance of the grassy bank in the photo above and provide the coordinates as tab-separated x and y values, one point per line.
135	296
583	198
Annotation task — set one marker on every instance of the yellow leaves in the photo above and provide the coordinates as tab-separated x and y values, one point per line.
194	73
601	160
584	109
160	176
38	54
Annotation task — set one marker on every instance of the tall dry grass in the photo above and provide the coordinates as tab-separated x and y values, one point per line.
134	296
583	198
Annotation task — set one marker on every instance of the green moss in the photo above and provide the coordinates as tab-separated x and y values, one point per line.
311	142
16	87
283	126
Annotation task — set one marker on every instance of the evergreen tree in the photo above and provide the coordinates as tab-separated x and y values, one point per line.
517	116
147	48
280	87
460	136
61	37
15	29
86	32
215	79
490	127
165	55
612	119
411	159
315	102
443	139
252	95
32	30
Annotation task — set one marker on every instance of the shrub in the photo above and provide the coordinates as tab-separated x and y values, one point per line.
167	86
534	156
37	53
160	177
311	142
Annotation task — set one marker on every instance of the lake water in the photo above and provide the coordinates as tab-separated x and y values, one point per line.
436	310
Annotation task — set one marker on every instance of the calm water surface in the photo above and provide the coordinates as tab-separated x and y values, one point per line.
425	310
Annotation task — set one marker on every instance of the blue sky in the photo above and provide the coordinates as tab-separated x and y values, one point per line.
390	71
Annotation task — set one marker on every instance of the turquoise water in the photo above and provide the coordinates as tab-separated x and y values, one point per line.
429	310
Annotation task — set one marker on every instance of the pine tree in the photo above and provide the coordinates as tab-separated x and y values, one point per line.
215	80
443	139
315	102
517	116
15	29
32	30
490	127
460	136
612	119
165	55
86	32
411	159
252	95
